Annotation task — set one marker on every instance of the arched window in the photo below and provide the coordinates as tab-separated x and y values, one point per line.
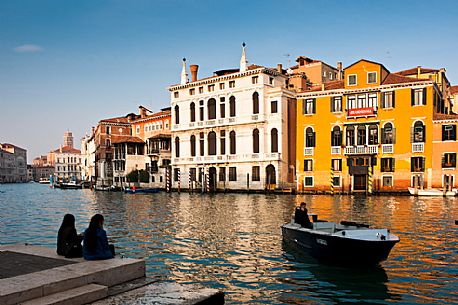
361	135
193	145
274	140
336	136
388	134
177	147
177	114
212	143
256	141
309	137
350	141
418	132
232	148
232	106
193	112
255	103
211	108
373	135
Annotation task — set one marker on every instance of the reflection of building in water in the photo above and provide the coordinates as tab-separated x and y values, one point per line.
376	131
231	130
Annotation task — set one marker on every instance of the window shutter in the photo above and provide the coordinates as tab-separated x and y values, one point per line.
412	134
349	162
443	133
392	164
382	100
332	104
332	138
383	135
412	161
374	161
394	135
443	160
454	132
424	133
314	106
339	143
412	97
314	139
424	96
423	161
453	159
392	96
304	105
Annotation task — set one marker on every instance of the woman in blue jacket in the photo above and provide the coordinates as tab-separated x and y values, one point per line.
95	245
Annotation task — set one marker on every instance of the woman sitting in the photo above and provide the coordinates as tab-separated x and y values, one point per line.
68	242
95	241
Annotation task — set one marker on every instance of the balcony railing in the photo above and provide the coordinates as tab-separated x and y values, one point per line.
308	151
335	150
387	148
361	150
418	147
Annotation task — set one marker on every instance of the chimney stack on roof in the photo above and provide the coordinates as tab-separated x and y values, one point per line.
142	111
194	69
280	68
418	71
339	70
184	75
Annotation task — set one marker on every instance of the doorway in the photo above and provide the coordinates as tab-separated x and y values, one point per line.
360	182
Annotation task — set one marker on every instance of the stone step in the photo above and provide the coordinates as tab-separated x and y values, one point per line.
76	296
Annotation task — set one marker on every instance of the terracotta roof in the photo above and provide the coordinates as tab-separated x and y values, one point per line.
67	150
161	135
413	71
336	84
116	120
440	116
454	89
153	116
394	78
125	139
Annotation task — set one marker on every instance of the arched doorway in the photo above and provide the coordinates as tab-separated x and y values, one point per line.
271	179
212	179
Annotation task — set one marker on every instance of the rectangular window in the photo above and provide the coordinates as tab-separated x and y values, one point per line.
192	91
308	106
308	181
201	142
232	84
222	174
222	107
176	94
336	181
351	102
223	141
108	129
387	99
449	160
273	107
417	164
361	101
232	174
211	88
336	165
418	97
271	80
387	181
255	173
352	80
330	75
387	165
222	86
254	80
308	165
449	132
371	77
372	100
201	89
336	104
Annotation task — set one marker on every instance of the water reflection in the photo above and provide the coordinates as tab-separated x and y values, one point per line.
233	242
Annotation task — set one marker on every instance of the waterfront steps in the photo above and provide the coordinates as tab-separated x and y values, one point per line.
72	278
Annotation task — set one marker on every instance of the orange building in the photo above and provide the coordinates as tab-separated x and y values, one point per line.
311	72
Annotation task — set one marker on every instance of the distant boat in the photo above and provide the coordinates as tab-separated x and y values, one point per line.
431	192
72	185
141	190
347	243
44	181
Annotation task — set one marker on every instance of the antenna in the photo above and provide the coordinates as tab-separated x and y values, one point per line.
288	58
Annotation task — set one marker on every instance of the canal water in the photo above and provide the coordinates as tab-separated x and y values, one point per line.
233	242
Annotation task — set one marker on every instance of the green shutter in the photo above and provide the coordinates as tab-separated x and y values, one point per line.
393	95
412	97
424	96
382	100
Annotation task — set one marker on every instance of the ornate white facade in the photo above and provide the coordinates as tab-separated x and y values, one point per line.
231	131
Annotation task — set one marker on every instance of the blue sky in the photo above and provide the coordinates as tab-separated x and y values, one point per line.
65	65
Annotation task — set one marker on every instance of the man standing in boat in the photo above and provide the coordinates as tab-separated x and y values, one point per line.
301	216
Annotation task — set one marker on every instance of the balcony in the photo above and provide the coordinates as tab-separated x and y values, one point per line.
308	151
418	147
387	148
361	150
336	150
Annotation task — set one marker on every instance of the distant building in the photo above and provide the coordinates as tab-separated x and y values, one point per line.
13	163
41	168
67	164
68	139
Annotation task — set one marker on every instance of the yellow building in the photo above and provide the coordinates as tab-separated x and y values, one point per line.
370	132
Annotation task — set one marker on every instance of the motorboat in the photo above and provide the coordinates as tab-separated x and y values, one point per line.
431	192
141	190
72	185
44	181
347	244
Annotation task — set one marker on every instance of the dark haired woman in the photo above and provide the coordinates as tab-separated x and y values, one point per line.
68	242
95	245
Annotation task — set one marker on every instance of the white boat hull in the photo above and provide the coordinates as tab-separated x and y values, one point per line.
431	192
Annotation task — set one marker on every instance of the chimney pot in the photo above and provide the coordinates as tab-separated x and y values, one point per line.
280	68
339	70
194	69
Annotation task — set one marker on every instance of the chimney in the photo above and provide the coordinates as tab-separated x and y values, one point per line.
322	87
339	70
280	68
418	71
142	111
194	69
